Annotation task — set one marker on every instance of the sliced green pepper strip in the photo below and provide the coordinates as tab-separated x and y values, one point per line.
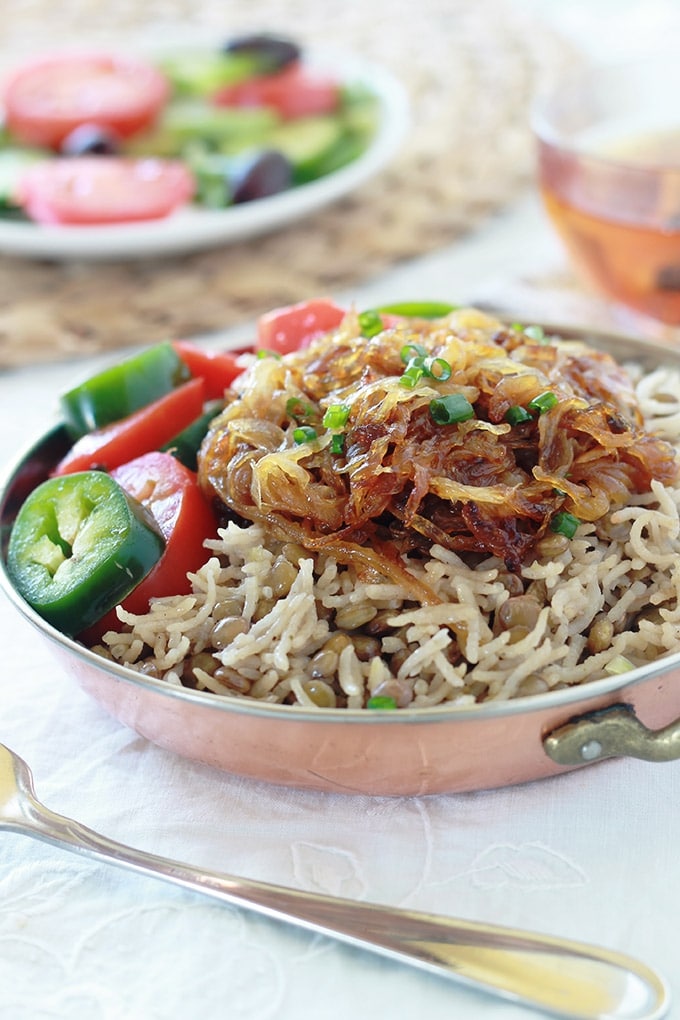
185	445
418	309
126	387
78	547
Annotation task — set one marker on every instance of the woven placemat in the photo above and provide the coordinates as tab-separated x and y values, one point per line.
470	70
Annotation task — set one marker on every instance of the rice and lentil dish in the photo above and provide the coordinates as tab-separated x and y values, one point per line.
428	512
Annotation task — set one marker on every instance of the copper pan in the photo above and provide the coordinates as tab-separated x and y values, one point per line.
409	752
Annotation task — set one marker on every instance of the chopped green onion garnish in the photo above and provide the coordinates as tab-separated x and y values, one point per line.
515	415
565	524
410	352
437	368
338	443
619	664
451	409
370	323
536	333
419	309
415	356
336	416
543	402
298	409
381	701
304	434
411	376
533	332
264	353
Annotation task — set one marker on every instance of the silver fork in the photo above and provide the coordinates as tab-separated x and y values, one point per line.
563	978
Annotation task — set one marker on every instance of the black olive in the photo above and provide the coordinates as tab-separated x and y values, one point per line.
274	52
668	278
266	174
90	140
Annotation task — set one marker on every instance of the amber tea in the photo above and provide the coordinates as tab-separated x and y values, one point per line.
617	210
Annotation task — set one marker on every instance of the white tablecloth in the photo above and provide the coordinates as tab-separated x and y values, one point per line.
591	855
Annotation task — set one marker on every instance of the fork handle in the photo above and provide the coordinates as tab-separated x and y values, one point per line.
559	976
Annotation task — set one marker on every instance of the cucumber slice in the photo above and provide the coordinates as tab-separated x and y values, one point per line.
307	143
201	74
360	113
347	148
189	121
213	127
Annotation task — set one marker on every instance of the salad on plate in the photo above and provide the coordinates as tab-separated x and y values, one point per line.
96	138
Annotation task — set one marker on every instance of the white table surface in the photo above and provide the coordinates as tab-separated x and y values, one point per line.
591	855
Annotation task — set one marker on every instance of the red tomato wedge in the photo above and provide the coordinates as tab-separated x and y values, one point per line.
172	494
217	369
288	329
145	430
296	91
87	190
47	98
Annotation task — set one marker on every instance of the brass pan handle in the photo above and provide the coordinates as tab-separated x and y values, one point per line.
611	732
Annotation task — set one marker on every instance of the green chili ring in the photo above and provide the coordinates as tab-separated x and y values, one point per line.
78	547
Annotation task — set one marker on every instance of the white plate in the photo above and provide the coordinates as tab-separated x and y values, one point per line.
193	229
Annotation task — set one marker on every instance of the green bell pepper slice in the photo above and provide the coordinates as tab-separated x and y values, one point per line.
185	445
122	389
418	309
78	547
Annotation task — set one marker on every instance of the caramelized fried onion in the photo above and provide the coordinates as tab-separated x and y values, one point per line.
396	481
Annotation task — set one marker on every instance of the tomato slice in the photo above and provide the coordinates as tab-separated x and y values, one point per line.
88	190
288	329
217	369
171	492
145	430
48	98
296	91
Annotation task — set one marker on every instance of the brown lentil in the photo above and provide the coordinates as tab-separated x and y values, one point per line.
366	647
532	685
551	546
399	658
282	577
337	642
226	629
400	690
264	606
453	653
517	633
324	663
230	678
227	607
518	611
353	617
321	693
202	660
379	625
600	635
512	583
